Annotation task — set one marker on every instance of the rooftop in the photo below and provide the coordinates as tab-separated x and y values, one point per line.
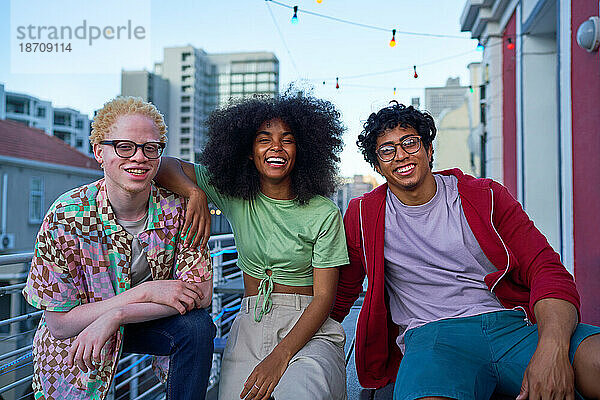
20	141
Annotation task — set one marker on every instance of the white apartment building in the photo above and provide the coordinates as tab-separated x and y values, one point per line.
73	128
67	124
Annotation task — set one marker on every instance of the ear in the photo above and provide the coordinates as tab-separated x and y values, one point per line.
98	153
378	170
430	152
251	157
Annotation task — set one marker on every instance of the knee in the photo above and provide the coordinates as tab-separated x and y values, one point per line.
196	329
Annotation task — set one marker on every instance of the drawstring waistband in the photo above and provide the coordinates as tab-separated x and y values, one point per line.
265	289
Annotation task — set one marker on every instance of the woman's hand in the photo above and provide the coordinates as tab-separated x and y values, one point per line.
197	220
86	350
265	376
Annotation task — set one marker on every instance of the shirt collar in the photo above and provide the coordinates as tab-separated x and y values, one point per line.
109	220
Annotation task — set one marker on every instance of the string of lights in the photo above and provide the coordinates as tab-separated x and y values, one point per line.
296	9
283	39
508	39
395	70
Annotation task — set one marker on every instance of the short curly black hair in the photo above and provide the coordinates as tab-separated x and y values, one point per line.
317	130
389	118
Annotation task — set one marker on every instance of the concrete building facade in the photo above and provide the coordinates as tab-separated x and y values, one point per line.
456	110
199	82
542	123
73	128
449	97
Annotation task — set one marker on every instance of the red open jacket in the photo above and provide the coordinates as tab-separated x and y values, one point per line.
528	268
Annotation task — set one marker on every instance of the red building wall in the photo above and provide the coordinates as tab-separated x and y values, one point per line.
509	109
585	95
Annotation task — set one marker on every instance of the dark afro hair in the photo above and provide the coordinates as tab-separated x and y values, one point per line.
389	118
317	130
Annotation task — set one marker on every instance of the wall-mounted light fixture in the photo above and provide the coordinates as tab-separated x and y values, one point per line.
588	34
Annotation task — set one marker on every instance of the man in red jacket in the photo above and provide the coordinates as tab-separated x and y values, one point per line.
457	275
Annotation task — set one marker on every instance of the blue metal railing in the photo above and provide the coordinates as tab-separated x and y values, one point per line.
134	379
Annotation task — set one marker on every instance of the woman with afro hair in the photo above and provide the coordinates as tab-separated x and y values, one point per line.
269	164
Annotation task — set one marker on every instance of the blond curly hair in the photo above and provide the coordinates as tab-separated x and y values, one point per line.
125	105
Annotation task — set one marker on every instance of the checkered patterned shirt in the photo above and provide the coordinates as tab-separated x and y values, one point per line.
83	255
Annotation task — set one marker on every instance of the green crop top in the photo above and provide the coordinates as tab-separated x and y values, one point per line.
281	236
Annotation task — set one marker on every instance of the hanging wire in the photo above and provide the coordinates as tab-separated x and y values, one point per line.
367	26
408	68
283	39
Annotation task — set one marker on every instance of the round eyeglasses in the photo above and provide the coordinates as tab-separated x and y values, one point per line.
128	148
410	145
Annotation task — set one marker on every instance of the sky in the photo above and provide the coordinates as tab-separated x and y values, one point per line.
310	52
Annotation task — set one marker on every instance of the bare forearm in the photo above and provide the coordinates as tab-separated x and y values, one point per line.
556	320
142	312
64	325
172	177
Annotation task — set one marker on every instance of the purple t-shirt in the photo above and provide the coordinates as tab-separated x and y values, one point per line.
434	267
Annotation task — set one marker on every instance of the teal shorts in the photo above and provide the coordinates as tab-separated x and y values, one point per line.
472	357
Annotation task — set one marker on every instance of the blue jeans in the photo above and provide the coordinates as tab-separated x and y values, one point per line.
188	340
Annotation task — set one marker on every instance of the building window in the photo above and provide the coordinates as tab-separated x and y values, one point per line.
40	112
263	77
79	143
64	136
185	120
79	124
185	129
185	151
185	56
36	200
62	119
185	141
185	99
185	109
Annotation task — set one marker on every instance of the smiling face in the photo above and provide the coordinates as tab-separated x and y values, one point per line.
274	153
408	175
129	175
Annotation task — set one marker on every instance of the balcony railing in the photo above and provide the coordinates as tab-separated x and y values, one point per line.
134	378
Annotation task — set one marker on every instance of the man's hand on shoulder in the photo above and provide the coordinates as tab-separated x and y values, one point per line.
182	296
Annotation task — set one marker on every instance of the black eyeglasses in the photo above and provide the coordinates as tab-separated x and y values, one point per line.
387	152
128	148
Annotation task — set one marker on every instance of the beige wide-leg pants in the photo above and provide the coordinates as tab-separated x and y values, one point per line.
317	371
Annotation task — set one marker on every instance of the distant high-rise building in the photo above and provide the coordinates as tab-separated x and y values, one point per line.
245	74
149	86
198	83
